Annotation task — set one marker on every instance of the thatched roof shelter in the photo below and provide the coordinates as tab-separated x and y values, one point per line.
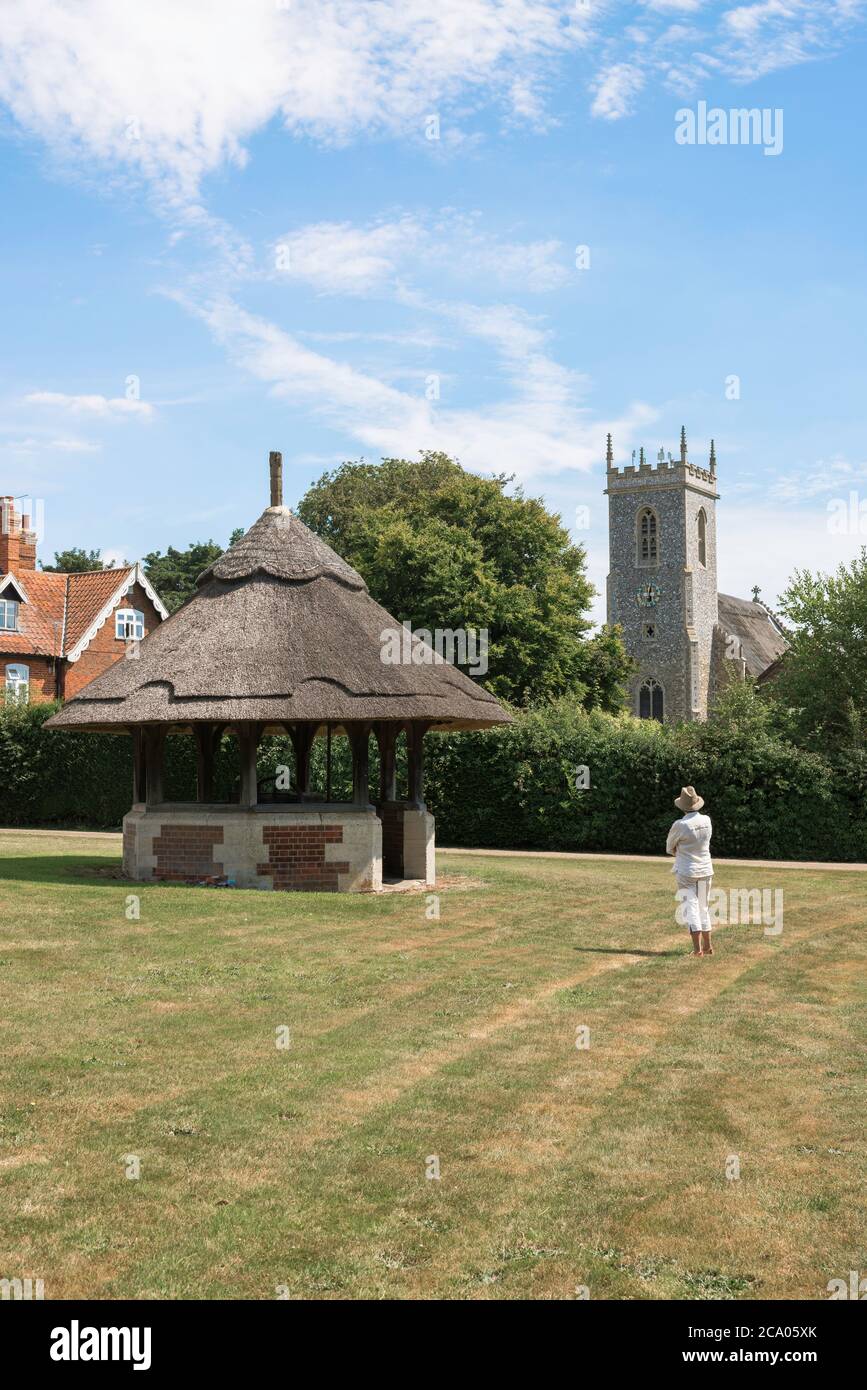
281	636
280	629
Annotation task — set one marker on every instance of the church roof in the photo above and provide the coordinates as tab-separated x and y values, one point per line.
280	629
761	637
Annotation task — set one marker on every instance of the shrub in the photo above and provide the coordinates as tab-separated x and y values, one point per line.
507	788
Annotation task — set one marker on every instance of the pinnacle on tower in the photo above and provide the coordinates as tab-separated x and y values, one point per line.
712	457
683	443
609	454
641	456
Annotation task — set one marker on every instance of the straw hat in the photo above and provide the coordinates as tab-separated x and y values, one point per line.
689	800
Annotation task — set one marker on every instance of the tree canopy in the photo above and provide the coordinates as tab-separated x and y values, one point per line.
822	682
174	573
443	548
76	561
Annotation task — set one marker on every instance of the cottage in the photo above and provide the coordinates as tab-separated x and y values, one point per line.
281	636
59	631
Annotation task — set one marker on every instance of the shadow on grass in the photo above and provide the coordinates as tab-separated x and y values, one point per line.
624	951
41	868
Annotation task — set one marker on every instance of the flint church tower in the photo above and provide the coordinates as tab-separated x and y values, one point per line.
662	585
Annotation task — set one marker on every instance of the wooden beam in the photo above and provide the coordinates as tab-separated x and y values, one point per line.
359	740
139	784
248	744
415	732
155	752
206	736
302	736
386	737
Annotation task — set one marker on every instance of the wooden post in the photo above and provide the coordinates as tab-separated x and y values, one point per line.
415	749
302	736
139	784
359	736
386	737
155	750
328	762
275	463
206	736
248	743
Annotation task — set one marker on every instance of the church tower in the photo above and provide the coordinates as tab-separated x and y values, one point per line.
662	585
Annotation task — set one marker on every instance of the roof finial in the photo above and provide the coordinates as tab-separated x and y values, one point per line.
641	456
712	457
609	454
683	443
275	461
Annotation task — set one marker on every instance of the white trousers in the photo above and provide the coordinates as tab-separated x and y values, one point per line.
695	893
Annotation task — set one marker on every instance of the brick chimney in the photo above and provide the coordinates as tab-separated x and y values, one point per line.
17	539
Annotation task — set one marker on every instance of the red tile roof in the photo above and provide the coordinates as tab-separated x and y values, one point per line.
59	608
88	595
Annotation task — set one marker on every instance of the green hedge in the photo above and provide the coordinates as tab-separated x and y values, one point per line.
515	788
506	788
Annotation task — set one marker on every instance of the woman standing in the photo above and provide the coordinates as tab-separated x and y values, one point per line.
689	842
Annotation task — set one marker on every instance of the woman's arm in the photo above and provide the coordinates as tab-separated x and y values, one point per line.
673	838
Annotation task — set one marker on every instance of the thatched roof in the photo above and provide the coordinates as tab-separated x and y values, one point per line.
760	636
280	629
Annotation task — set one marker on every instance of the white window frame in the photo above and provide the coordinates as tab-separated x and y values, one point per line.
8	605
129	624
17	686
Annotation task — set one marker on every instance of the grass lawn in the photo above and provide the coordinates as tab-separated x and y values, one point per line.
304	1168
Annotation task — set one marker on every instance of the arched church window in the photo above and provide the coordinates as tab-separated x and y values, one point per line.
702	536
647	537
650	700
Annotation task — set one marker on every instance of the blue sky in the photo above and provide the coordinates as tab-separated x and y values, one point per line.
240	207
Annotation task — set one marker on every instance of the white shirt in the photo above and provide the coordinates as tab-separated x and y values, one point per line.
689	842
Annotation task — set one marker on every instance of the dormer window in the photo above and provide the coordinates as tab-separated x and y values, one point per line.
129	623
8	615
17	684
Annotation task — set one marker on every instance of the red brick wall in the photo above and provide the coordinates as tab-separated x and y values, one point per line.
104	648
296	857
185	853
392	840
41	674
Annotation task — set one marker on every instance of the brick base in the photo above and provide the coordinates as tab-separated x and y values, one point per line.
336	849
296	857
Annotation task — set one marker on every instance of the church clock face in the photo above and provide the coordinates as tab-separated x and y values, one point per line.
648	595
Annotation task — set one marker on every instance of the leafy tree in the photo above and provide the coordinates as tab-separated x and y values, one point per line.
443	548
822	685
174	574
76	561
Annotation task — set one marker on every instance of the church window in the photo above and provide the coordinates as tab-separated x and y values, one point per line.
650	700
702	536
650	631
647	537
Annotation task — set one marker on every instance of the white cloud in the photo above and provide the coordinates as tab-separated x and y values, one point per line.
616	88
543	429
345	258
740	44
174	90
63	446
115	407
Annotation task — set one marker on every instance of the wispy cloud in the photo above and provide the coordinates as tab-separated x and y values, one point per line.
543	427
173	91
616	89
33	444
103	407
346	258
